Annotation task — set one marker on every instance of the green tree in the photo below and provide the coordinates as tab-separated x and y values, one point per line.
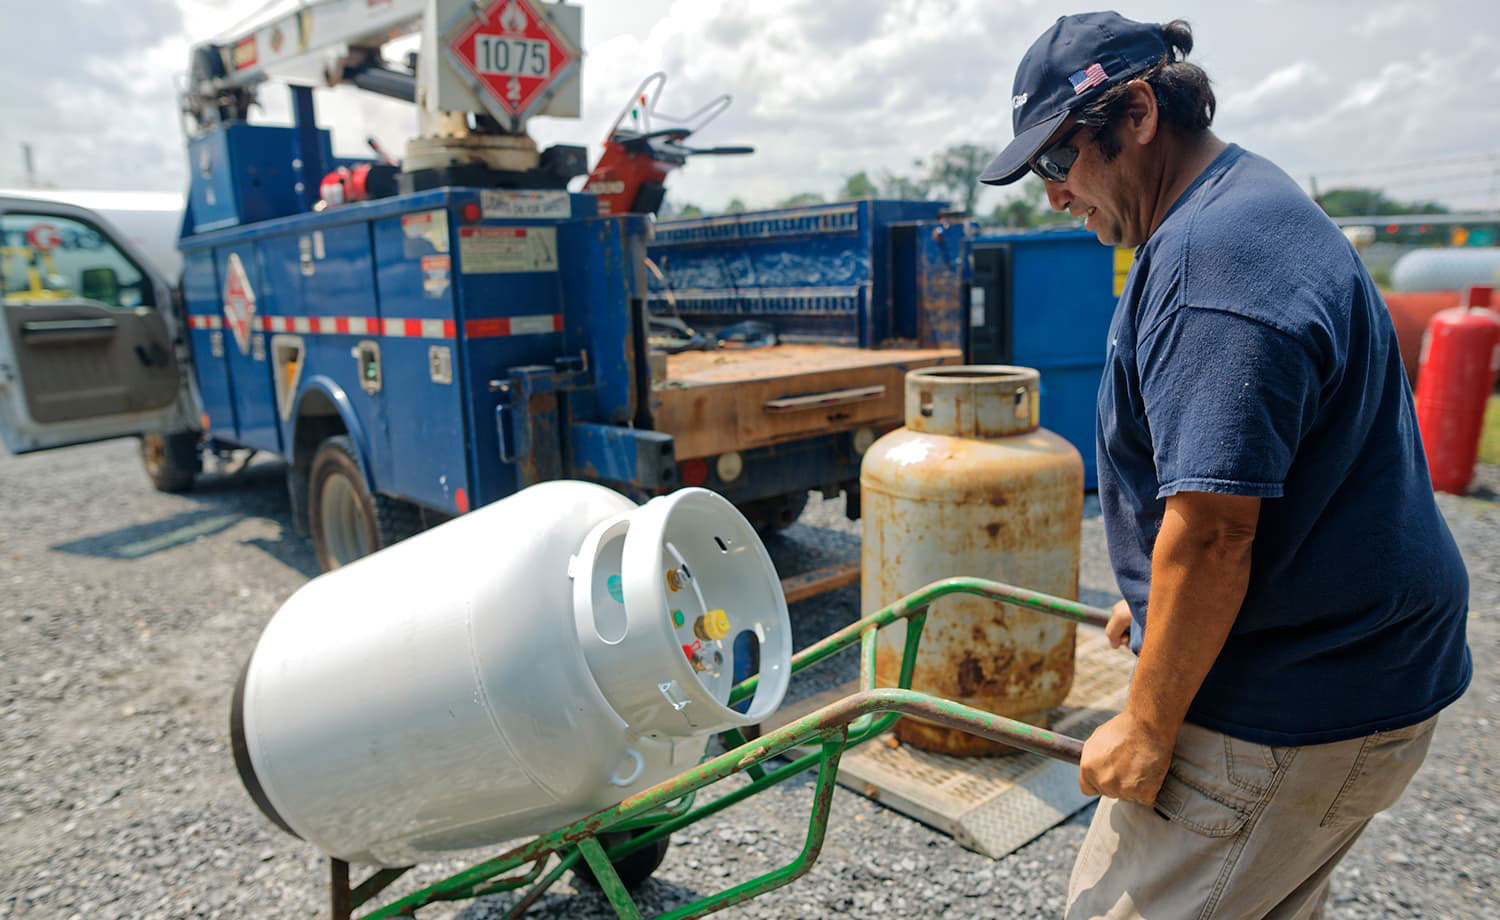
858	186
735	206
1359	202
688	210
1027	206
955	171
894	186
800	199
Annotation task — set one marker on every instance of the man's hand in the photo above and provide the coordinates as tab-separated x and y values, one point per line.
1118	630
1124	760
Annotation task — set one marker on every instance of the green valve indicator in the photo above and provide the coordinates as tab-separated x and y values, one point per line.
616	589
677	618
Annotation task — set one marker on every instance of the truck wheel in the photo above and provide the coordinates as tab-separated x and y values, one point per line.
770	515
171	460
340	509
346	521
633	869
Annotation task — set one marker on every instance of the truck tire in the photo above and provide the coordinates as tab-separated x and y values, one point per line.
171	460
633	869
347	522
770	515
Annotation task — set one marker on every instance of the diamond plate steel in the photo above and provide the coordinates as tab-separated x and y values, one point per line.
994	805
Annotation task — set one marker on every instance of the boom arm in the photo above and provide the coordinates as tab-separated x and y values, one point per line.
310	42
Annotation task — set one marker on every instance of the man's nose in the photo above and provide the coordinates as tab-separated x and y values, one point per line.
1058	195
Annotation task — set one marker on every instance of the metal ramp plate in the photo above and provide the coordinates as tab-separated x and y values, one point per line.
994	805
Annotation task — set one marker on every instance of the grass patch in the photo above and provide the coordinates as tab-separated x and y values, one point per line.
1489	439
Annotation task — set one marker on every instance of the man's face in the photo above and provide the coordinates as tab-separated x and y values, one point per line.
1107	195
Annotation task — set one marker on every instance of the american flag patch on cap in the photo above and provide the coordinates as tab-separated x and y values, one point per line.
1088	79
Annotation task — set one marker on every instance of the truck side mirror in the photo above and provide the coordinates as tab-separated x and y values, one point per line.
101	284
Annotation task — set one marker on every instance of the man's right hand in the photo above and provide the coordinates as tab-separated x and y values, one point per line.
1118	629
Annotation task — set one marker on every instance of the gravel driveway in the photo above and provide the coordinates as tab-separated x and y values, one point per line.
125	615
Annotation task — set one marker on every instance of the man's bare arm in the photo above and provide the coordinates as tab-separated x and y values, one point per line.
1200	569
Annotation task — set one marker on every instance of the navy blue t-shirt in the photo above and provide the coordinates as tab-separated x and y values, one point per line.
1250	354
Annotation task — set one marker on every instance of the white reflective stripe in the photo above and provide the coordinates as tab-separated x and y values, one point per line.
532	325
432	328
395	328
301	324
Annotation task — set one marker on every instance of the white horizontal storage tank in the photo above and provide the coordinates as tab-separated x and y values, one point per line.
1447	269
513	670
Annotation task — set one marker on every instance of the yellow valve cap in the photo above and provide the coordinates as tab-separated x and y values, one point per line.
712	625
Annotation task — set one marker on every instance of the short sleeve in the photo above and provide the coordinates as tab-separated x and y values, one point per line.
1227	399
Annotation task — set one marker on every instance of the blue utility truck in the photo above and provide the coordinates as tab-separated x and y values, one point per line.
420	339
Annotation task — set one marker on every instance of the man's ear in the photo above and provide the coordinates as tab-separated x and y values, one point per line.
1141	113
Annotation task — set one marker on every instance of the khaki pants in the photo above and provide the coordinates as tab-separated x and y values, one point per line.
1240	830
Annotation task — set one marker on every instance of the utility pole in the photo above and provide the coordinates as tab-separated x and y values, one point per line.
30	168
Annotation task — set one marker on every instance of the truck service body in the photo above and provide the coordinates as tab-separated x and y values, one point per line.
473	327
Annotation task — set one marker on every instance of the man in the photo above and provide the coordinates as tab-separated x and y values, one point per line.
1294	597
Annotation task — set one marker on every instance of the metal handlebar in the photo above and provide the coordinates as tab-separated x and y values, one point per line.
668	806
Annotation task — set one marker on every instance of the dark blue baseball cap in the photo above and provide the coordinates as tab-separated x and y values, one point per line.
1068	67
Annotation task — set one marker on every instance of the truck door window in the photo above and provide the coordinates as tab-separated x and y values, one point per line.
46	258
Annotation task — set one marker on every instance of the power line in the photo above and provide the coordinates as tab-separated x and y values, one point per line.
1408	166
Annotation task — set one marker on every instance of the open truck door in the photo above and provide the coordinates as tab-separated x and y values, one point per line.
87	343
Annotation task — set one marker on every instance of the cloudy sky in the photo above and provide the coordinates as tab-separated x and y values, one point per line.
1404	94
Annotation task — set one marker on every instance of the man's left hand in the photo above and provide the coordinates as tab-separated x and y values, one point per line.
1124	760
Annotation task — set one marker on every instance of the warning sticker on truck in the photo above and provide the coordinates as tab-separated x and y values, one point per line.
491	250
435	275
527	204
430	227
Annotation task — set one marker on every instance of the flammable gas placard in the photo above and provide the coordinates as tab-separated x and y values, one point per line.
496	250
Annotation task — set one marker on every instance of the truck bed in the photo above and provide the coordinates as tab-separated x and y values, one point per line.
736	399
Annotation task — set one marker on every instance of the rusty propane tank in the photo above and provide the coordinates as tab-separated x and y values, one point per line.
972	486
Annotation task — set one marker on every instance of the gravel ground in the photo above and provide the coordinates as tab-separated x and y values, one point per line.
125	614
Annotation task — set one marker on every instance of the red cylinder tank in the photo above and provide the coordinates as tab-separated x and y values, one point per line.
1460	358
1410	314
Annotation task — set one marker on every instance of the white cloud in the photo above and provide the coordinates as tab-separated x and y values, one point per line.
823	88
1278	85
1389	18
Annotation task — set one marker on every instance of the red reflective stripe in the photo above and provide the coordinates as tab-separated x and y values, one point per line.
315	324
341	325
557	322
414	328
486	328
450	329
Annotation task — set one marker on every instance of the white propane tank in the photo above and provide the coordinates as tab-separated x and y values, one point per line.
512	670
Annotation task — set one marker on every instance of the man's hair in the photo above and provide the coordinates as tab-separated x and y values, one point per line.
1184	99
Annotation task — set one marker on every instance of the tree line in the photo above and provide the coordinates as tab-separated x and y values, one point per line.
952	175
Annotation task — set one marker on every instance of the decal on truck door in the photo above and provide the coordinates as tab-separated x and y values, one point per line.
429	226
239	303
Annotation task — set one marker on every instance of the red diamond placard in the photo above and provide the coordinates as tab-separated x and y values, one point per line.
514	52
239	303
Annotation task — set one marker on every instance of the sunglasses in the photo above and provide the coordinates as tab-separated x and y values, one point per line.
1053	163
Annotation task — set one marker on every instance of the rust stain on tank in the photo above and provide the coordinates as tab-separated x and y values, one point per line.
938	503
970	675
